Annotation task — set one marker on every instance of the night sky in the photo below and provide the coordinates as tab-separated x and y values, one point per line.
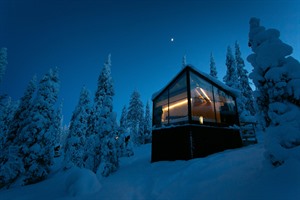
77	36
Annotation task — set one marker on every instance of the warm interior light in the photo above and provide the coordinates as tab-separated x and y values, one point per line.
205	94
176	105
201	119
199	94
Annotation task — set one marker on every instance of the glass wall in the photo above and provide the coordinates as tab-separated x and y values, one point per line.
226	113
178	103
209	104
160	110
171	107
202	101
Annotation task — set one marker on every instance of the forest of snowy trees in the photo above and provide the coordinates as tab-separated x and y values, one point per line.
31	130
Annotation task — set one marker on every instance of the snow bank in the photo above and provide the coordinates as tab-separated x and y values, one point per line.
81	182
233	174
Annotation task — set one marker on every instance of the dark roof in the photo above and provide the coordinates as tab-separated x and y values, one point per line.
207	77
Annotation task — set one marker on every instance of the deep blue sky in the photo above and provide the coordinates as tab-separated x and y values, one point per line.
77	36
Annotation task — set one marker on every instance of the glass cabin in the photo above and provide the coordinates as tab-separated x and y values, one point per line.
193	116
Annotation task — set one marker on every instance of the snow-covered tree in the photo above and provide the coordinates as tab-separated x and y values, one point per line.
58	127
213	70
11	162
94	132
103	154
246	105
124	142
76	140
37	137
231	76
147	125
123	119
7	113
22	111
107	124
141	129
184	61
135	116
276	76
3	62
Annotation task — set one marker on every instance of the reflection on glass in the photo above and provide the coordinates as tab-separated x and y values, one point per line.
210	105
178	104
225	108
202	104
172	106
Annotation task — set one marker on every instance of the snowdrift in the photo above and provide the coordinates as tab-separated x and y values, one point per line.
232	174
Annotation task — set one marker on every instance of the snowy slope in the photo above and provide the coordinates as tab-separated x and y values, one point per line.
232	174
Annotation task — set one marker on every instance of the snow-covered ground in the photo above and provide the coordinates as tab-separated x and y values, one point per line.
232	174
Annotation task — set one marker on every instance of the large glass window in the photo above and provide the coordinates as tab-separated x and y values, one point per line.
160	112
202	101
225	108
209	104
178	103
172	106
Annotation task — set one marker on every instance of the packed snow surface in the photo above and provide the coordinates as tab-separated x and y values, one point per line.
233	174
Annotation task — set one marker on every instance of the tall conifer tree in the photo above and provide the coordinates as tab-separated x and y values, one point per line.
213	70
76	140
231	76
10	161
37	136
135	116
107	125
148	124
246	98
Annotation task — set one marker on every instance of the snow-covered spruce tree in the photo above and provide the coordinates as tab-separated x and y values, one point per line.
123	119
8	109
11	162
94	132
246	99
76	140
231	77
124	142
147	125
37	137
109	146
135	116
106	125
276	76
184	61
58	127
22	111
213	70
93	148
3	62
141	130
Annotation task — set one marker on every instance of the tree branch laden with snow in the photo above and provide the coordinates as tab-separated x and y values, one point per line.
276	76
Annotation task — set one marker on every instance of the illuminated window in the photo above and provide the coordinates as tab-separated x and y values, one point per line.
178	103
202	101
160	112
171	106
194	98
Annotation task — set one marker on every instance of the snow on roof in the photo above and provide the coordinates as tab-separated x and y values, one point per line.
217	82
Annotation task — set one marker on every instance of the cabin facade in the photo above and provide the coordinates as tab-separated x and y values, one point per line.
193	116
